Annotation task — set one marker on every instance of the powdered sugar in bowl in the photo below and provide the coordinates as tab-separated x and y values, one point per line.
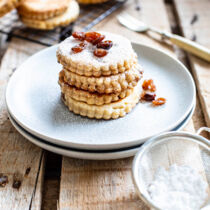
171	172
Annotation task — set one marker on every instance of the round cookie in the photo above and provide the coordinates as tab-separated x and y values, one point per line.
120	58
111	84
64	19
108	111
42	10
90	98
92	1
7	5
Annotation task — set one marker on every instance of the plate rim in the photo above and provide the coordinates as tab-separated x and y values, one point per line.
77	154
109	145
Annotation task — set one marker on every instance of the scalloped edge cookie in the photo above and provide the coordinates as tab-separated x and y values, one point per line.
27	10
66	18
108	111
90	98
7	6
96	71
111	84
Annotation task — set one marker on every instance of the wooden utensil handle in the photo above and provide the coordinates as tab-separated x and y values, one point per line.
191	46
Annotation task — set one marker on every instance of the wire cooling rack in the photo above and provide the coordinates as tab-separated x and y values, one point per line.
90	15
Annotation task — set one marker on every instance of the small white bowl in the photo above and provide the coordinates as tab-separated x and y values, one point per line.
181	148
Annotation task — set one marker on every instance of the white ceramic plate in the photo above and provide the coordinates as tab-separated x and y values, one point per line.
91	155
33	99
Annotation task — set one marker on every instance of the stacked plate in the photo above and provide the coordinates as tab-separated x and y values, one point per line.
37	112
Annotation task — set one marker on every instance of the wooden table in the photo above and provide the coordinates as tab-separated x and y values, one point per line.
39	179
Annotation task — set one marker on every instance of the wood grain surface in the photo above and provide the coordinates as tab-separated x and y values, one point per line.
36	202
20	160
194	19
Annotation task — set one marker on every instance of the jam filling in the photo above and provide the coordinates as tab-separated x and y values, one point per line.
94	38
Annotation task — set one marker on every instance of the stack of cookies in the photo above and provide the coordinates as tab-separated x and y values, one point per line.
100	75
7	6
47	14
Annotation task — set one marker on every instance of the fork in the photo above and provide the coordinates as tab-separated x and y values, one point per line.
184	43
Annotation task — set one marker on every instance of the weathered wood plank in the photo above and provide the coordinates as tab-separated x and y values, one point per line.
51	181
36	202
108	184
98	185
194	20
198	118
19	159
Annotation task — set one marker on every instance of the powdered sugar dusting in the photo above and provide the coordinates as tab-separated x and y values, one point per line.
181	187
118	53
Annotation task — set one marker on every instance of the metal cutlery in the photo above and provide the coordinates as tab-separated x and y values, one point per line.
184	43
